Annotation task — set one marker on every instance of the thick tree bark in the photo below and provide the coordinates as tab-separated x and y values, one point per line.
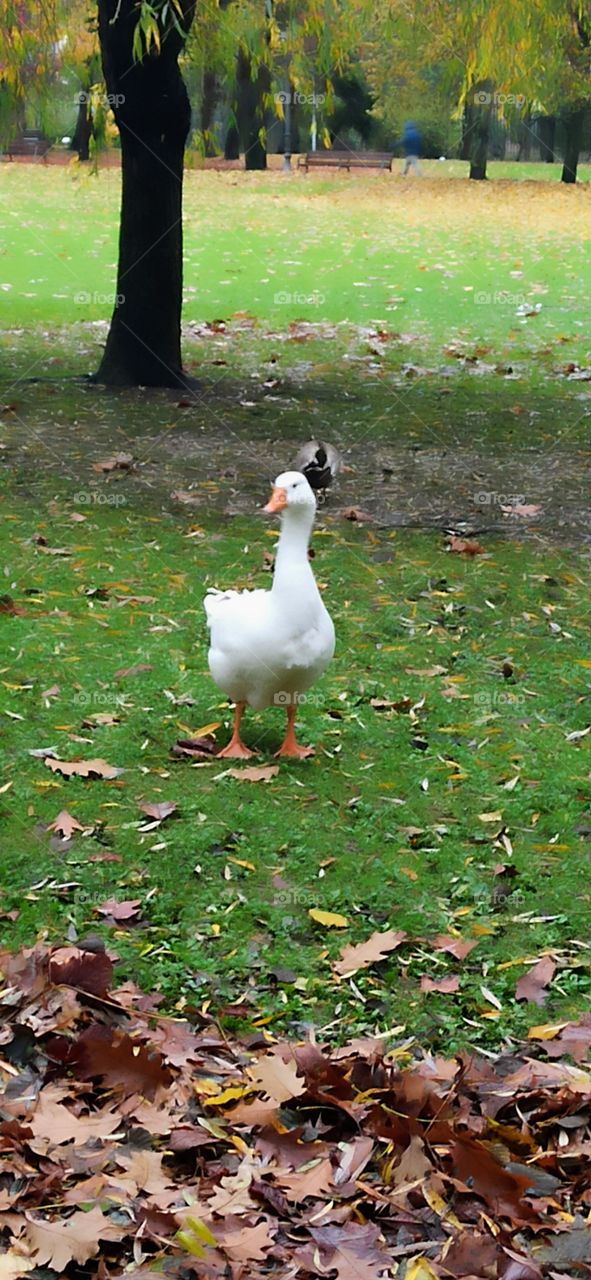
250	112
83	131
153	114
546	135
573	123
232	143
482	95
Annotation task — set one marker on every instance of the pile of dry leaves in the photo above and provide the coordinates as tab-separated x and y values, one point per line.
120	1126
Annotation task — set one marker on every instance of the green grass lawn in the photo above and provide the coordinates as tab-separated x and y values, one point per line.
410	810
447	259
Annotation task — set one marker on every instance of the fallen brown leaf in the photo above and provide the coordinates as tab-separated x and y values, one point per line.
356	515
120	911
255	773
364	954
90	971
276	1075
57	1242
119	462
446	986
65	825
159	811
464	547
533	985
120	1062
458	947
82	768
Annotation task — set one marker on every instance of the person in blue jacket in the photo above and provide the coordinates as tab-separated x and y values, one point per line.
411	142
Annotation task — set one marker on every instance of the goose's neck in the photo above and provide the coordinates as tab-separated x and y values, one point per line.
292	552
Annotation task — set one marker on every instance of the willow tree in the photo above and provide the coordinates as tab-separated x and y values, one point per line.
563	85
285	54
140	45
28	59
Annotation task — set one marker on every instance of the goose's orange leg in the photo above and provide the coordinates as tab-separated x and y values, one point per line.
289	747
236	748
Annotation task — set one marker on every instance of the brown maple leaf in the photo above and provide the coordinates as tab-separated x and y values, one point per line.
57	1242
446	986
275	1074
119	1061
413	1164
90	971
119	911
54	1122
245	1243
132	671
65	825
532	986
458	947
143	1170
502	1191
159	811
316	1181
233	1194
255	773
364	954
354	1250
82	768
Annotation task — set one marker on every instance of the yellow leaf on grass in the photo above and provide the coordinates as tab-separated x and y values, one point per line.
546	1030
205	729
495	816
330	919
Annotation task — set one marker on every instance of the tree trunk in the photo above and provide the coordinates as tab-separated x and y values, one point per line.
573	124
250	111
209	99
83	131
153	114
232	143
525	134
466	132
482	95
546	134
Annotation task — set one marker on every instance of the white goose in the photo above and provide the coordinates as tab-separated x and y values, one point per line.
267	647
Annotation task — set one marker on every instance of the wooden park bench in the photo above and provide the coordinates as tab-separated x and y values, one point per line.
346	160
31	143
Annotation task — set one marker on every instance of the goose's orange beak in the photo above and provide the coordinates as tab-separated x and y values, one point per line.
277	501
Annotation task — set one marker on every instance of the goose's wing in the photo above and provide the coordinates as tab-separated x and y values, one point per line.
224	606
312	461
334	459
306	455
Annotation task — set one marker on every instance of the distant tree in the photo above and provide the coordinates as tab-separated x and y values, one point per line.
80	54
285	53
28	59
352	109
